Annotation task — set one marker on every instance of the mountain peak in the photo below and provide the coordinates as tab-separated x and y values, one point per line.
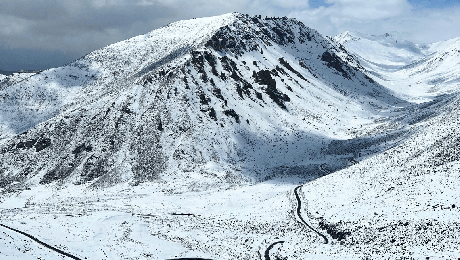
356	36
346	37
169	102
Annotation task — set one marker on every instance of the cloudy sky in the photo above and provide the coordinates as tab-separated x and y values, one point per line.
39	34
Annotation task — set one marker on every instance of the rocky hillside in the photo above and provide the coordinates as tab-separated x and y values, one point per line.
232	94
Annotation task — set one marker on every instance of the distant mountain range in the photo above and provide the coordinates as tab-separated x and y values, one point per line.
417	72
6	72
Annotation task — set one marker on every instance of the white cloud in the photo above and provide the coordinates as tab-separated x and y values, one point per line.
431	26
368	10
379	17
290	3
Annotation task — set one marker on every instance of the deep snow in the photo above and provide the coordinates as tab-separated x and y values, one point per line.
189	141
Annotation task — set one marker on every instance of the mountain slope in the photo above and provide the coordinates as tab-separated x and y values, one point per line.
403	201
416	72
439	71
269	93
53	89
384	51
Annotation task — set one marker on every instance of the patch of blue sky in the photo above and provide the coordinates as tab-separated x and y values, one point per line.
434	4
317	3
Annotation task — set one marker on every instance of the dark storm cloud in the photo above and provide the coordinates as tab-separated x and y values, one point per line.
33	10
9	58
38	34
97	20
116	16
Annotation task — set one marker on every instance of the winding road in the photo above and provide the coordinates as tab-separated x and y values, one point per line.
299	206
42	243
267	252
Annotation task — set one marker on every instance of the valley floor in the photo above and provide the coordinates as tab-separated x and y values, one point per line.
246	222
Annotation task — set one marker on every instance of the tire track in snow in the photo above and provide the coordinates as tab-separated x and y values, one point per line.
299	206
267	251
42	243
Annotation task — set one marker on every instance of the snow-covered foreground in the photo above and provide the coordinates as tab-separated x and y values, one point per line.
144	222
370	210
399	204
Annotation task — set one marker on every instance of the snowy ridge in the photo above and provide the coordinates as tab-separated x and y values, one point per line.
53	89
416	72
439	72
404	197
245	83
385	51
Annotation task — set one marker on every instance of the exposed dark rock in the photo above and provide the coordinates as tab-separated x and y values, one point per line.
212	114
283	35
204	100
198	63
42	144
218	93
184	79
148	153
160	125
264	77
27	144
59	173
334	230
259	95
228	64
307	68
212	82
212	62
290	68
233	114
82	148
126	109
94	168
333	61
242	86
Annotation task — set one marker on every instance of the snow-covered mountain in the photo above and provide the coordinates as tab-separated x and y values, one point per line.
385	51
438	73
416	72
268	93
190	141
